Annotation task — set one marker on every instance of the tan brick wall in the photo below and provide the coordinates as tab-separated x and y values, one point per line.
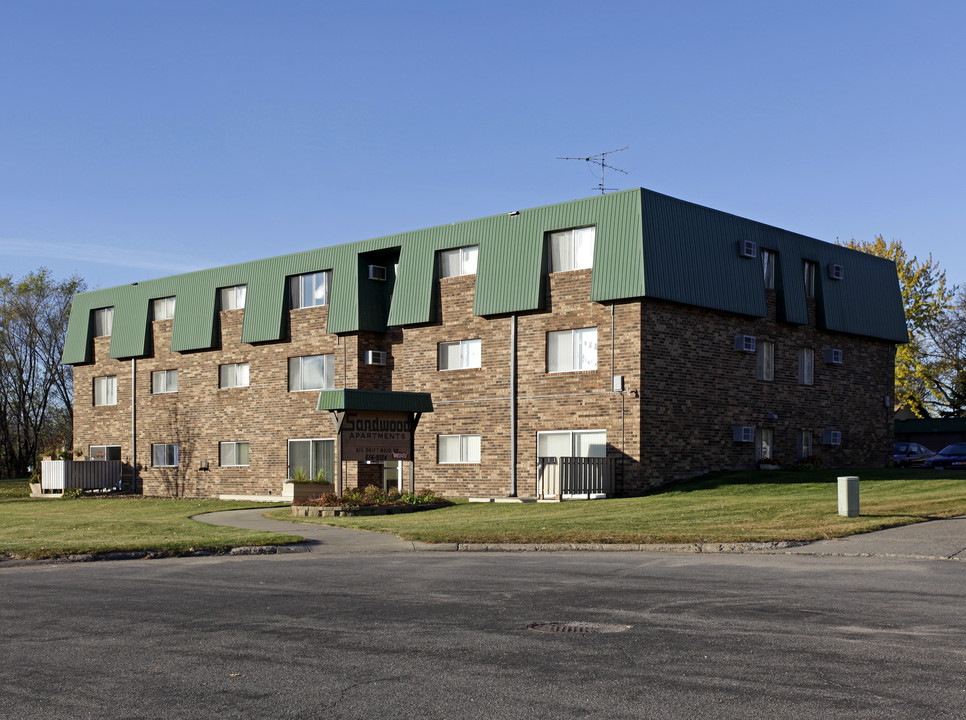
685	387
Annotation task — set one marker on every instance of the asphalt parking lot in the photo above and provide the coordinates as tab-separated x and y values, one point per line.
446	635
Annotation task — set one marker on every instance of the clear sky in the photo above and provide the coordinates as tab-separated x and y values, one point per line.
144	138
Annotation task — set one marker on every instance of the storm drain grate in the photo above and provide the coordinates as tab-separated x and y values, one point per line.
577	627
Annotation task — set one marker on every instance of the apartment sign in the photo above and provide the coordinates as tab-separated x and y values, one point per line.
376	436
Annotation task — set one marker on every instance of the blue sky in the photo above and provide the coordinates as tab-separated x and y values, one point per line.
140	139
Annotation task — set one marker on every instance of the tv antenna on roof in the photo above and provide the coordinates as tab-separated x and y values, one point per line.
599	159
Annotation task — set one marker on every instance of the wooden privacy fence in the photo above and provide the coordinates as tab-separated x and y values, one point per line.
59	475
559	477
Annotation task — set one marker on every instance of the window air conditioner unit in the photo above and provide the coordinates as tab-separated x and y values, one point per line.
833	356
744	433
745	343
832	437
748	248
375	357
377	272
836	272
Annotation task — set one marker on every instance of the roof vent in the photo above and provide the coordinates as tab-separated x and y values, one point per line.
748	248
377	272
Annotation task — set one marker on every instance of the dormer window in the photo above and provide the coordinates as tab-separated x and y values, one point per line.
459	261
572	249
233	298
768	267
163	308
809	268
310	289
103	322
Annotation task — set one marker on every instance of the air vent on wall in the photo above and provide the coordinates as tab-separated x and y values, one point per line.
833	356
832	437
748	248
836	272
377	272
745	343
375	357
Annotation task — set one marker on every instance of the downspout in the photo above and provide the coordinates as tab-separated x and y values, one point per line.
513	405
134	425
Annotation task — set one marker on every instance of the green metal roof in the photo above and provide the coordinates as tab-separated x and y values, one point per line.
647	245
931	425
375	400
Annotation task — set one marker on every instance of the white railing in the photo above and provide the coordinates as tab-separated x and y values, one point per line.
58	475
562	477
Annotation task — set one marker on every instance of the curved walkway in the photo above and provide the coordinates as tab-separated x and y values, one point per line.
938	539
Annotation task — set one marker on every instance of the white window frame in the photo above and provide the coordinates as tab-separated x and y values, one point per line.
457	262
164	382
766	361
470	355
312	470
804	449
764	443
103	322
573	440
768	268
310	289
93	450
228	375
108	390
579	360
233	298
230	453
296	379
469	449
163	308
169	454
572	249
806	366
810	269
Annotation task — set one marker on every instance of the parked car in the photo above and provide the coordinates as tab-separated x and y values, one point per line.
951	456
910	454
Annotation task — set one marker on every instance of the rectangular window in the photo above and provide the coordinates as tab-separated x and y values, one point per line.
766	361
572	443
459	449
572	249
572	350
105	390
312	457
460	261
163	308
103	322
164	381
810	278
804	444
763	443
311	372
232	454
768	266
233	375
105	452
164	455
233	298
806	366
460	355
310	289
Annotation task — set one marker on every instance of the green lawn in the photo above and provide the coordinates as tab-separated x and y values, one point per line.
726	507
39	528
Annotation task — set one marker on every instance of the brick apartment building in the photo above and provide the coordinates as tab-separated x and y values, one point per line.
670	337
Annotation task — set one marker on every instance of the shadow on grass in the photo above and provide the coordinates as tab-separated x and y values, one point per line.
724	478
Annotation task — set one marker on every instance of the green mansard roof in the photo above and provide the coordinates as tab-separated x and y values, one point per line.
647	245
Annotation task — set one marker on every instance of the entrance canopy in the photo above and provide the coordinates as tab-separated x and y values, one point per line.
375	400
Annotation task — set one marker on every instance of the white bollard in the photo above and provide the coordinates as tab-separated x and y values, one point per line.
849	496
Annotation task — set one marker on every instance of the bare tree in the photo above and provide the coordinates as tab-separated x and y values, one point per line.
35	390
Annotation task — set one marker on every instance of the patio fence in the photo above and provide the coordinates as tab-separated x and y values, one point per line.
59	475
560	477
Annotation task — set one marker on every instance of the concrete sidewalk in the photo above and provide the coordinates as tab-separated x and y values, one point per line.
938	539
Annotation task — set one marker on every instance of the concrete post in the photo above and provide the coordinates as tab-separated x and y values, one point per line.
849	496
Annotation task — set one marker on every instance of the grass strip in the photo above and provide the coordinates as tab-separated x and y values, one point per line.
44	528
720	508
